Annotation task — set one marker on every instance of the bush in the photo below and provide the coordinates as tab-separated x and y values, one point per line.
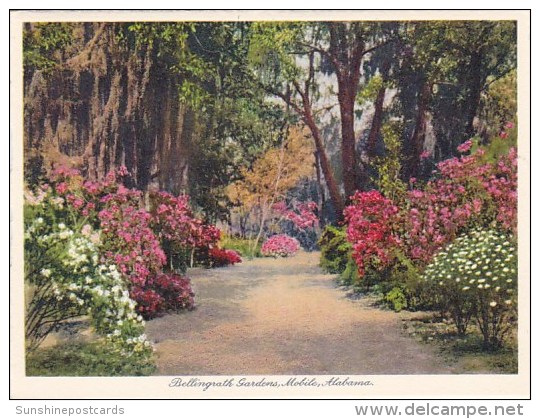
299	220
350	275
466	193
185	238
143	244
371	223
223	257
280	245
65	278
166	292
476	276
396	299
335	249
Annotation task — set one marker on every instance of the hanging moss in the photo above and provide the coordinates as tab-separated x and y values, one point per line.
104	103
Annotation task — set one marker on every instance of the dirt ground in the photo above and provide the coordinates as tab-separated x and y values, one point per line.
284	317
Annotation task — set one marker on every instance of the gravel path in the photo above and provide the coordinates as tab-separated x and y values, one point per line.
283	316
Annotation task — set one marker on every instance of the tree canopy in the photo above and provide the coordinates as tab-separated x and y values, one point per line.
198	107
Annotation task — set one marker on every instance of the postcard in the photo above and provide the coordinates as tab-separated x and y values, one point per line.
270	204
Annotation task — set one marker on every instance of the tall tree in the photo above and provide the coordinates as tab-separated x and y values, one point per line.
276	51
293	57
346	46
449	65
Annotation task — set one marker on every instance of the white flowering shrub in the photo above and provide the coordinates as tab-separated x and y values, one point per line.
476	277
65	279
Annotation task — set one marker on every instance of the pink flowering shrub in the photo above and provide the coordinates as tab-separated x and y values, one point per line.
466	192
138	241
303	214
173	220
280	245
185	238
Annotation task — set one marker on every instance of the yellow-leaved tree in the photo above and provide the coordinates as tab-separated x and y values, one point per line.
272	175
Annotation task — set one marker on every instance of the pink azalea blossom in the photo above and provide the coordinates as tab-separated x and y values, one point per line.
466	146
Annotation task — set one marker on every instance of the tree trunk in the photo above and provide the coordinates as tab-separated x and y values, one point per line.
333	188
320	188
348	141
416	144
475	87
376	123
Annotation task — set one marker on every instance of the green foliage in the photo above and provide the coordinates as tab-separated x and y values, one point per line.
242	246
404	276
369	92
388	167
396	299
272	47
335	249
86	359
350	275
443	47
499	102
497	146
43	43
476	277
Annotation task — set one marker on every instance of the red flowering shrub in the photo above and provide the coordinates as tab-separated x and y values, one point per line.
371	219
149	301
280	245
175	291
223	257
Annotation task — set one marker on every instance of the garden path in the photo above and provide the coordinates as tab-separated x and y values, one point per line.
284	316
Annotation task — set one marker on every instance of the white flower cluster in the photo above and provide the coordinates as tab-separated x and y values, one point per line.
73	270
481	264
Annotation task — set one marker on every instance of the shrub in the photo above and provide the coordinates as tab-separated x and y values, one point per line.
396	299
335	249
182	235
476	277
467	193
303	215
350	275
66	278
142	243
297	219
371	221
280	245
223	257
404	276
